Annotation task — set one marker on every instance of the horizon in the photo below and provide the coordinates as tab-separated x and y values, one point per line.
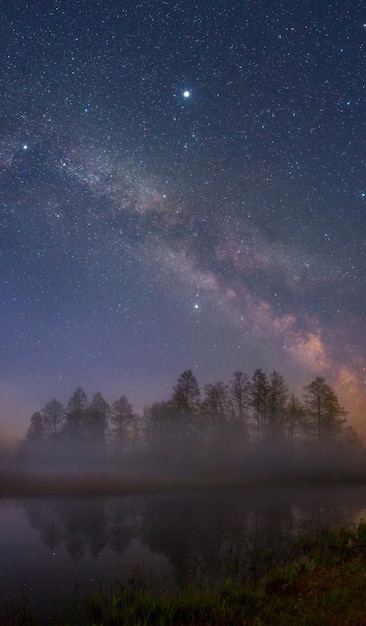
182	186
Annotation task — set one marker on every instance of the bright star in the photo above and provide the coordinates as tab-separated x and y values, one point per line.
186	94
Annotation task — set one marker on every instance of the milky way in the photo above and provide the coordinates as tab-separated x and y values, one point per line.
182	186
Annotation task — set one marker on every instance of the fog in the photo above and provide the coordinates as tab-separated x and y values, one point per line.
247	432
187	511
79	467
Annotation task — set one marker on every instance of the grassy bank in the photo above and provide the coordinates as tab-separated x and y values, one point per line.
326	585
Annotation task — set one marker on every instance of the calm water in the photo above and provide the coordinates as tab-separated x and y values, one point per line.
54	549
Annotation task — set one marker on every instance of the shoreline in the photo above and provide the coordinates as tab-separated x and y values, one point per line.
326	584
88	483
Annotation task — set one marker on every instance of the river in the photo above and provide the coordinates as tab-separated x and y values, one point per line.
54	550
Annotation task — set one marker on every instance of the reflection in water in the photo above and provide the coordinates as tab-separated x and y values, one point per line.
84	526
205	536
68	546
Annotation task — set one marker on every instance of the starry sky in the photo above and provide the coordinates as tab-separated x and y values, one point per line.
182	185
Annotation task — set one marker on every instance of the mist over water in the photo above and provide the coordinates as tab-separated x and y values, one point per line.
72	467
190	508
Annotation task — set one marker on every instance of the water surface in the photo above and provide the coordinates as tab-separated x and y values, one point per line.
54	550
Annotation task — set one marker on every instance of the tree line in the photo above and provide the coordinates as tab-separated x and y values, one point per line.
244	413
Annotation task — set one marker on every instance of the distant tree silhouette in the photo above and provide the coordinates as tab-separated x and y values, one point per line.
53	414
240	400
294	420
97	421
122	419
161	425
351	438
259	390
232	419
216	404
36	430
186	396
326	417
32	448
276	406
74	425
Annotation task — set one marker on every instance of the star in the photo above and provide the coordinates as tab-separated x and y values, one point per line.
157	188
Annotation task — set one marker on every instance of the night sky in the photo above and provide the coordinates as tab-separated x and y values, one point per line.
182	185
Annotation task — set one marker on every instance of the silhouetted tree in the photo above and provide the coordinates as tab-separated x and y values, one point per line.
294	420
186	395
161	425
184	425
53	414
326	416
122	419
259	389
36	430
98	413
276	406
216	404
76	413
351	437
71	443
32	447
240	399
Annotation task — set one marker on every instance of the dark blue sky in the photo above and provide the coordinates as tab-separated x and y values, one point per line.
182	185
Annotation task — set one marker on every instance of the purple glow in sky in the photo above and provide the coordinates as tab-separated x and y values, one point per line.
182	186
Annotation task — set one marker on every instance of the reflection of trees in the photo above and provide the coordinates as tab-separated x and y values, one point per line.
43	515
167	528
206	536
78	524
83	526
326	507
270	535
122	524
192	530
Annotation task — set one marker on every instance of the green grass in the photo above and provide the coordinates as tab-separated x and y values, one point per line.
326	586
